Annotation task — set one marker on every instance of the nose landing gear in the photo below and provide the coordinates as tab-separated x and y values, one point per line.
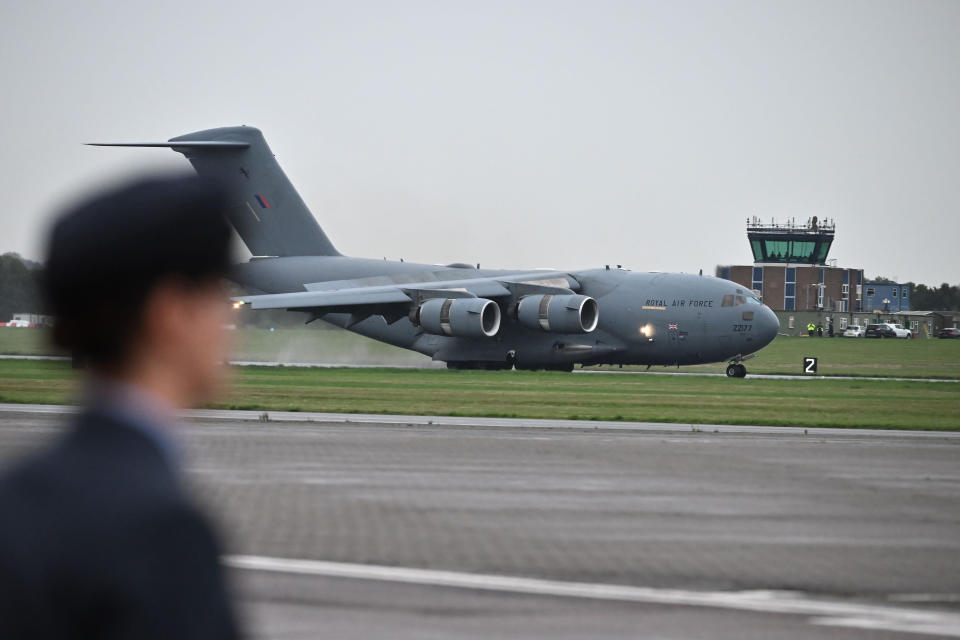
736	370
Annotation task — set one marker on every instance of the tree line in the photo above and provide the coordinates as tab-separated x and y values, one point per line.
19	286
942	298
20	292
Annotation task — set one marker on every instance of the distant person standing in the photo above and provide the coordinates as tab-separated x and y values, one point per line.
811	329
99	538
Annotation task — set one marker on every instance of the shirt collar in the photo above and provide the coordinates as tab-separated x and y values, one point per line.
139	409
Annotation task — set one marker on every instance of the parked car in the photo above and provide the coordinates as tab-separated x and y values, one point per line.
949	332
853	331
900	330
879	331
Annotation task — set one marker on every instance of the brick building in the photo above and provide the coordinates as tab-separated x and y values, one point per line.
790	271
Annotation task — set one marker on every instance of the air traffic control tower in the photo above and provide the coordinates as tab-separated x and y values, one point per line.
790	243
791	271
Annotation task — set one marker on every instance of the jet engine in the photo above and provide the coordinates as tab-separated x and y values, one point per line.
460	317
558	313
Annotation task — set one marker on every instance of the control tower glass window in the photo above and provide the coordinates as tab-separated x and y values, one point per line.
790	243
803	251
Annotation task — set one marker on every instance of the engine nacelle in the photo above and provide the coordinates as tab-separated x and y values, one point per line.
460	317
559	313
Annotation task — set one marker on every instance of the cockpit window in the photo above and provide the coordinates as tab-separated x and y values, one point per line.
731	300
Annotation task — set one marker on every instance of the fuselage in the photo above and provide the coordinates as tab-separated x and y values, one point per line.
644	318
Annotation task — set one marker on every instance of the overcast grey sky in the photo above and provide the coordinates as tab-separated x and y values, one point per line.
526	134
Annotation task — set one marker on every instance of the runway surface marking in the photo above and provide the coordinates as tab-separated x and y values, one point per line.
820	611
440	365
508	423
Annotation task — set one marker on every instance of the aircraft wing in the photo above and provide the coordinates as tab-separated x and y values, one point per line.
361	296
340	297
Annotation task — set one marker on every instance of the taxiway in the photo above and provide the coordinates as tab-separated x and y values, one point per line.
403	527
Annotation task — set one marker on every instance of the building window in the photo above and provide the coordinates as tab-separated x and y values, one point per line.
905	292
789	289
846	290
843	323
757	285
871	292
790	322
894	292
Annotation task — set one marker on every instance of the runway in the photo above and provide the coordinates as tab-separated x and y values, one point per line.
591	370
402	529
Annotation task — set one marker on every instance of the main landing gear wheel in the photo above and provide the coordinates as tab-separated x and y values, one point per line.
736	370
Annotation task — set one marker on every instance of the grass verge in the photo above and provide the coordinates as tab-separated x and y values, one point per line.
882	404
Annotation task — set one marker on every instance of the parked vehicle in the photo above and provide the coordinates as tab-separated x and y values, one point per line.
900	330
879	331
949	332
853	331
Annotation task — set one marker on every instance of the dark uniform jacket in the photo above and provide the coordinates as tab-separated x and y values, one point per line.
99	540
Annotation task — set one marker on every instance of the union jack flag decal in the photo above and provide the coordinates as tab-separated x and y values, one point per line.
671	326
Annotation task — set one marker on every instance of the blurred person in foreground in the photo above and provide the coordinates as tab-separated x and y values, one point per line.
98	538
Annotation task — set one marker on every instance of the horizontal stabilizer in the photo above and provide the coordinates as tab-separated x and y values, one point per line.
186	144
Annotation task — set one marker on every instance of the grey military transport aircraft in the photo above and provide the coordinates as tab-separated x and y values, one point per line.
468	317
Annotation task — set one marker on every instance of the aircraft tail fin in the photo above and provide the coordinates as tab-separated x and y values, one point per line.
266	210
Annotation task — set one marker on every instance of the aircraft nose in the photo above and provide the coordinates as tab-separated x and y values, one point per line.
767	325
